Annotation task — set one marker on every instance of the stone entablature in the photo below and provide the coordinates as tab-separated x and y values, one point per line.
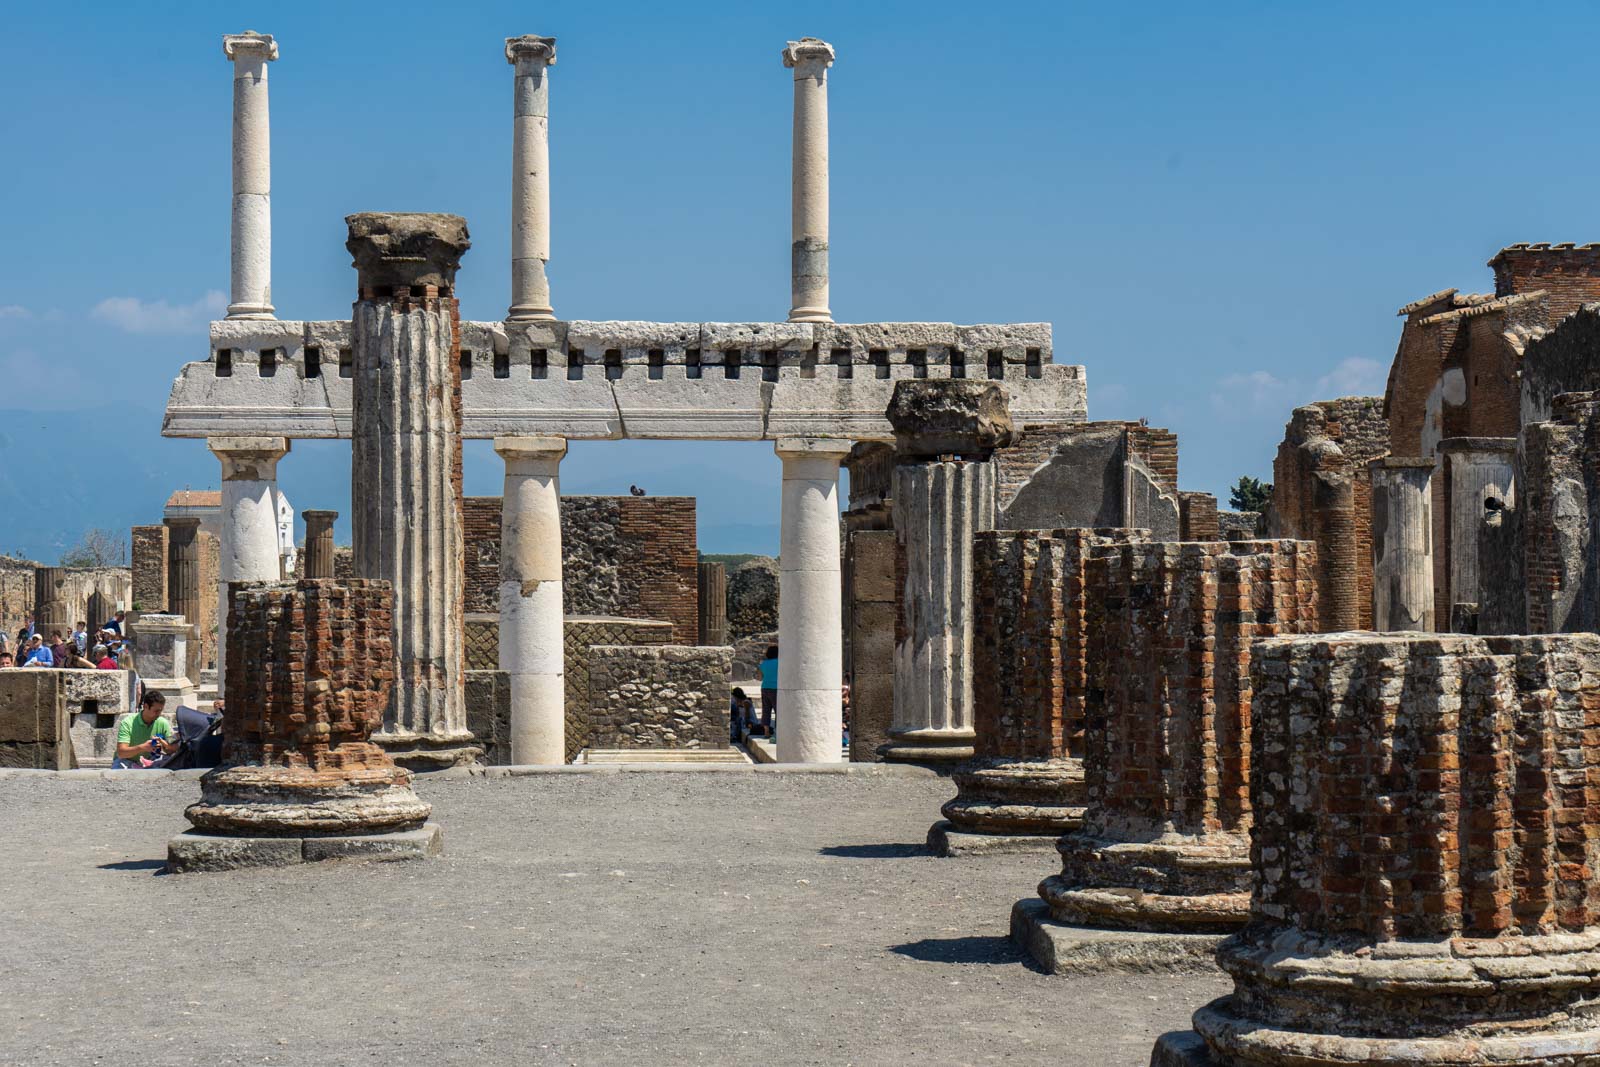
610	380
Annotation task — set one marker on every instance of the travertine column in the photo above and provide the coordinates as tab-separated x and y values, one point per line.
252	176
405	470
319	543
810	60
946	431
1402	544
532	642
1425	888
810	632
713	589
249	541
183	569
530	176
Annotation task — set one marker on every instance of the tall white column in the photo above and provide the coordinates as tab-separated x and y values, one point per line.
532	55
252	175
248	546
532	642
810	60
810	626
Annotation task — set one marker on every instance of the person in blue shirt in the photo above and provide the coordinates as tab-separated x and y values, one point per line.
769	692
38	654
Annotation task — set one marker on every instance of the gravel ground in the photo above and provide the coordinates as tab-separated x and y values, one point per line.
582	919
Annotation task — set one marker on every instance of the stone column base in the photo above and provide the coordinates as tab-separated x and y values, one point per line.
934	747
1175	882
1017	796
1062	948
946	839
417	753
194	851
256	801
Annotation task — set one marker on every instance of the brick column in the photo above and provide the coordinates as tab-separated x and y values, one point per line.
1165	838
532	56
250	53
946	432
810	59
1024	786
249	541
1426	812
405	470
1402	544
319	543
1334	503
713	582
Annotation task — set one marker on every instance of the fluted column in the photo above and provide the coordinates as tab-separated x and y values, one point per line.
532	638
319	543
713	590
405	471
532	56
248	545
1402	544
183	570
810	59
946	431
810	631
252	175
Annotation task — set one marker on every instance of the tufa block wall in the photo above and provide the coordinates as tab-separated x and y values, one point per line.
149	565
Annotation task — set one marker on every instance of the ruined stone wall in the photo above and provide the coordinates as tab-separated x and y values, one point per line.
34	730
1566	359
1322	492
1197	517
149	567
753	598
16	595
1239	525
1168	709
1559	496
488	703
632	557
582	633
344	561
661	696
1096	474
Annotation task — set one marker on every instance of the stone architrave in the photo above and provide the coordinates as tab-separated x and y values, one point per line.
810	59
1402	544
250	52
1165	840
531	614
319	542
310	679
1426	893
161	654
406	470
944	486
532	56
810	717
1024	787
248	545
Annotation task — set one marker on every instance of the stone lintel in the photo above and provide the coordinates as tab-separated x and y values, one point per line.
249	45
398	250
530	47
1494	445
1401	463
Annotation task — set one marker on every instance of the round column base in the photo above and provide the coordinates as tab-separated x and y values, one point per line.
256	801
530	313
995	795
1174	882
418	753
249	312
938	747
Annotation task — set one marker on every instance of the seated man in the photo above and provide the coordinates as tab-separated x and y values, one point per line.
143	734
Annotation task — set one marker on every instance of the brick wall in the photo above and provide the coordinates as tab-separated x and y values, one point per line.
1569	273
1158	448
660	696
1197	517
1559	479
149	565
633	557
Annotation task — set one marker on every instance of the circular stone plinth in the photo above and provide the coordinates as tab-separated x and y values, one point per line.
1000	796
300	802
1199	883
1123	908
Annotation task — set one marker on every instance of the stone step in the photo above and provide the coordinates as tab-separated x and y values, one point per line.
664	755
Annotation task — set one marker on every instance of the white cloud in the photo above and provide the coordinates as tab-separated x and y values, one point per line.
14	311
1356	376
157	316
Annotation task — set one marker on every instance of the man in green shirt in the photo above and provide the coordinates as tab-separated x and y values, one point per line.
145	733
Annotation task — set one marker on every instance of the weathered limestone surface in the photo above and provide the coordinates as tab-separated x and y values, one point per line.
532	56
1030	689
810	59
250	53
1402	544
531	612
34	730
96	702
870	562
406	469
944	493
319	543
161	654
658	696
310	680
488	701
1165	837
1426	808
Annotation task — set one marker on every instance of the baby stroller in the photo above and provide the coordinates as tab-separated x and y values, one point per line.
199	742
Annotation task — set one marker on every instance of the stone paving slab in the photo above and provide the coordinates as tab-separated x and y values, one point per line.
192	851
945	840
1062	948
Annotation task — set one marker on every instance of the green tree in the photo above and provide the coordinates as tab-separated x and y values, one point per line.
1250	494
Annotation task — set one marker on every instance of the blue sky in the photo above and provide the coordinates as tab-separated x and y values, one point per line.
1219	207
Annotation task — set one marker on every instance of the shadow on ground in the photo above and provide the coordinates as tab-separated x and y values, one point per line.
158	866
995	950
875	852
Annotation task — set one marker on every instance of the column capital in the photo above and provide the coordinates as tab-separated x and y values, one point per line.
531	48
249	45
809	56
314	516
829	448
181	520
249	459
401	249
531	455
949	416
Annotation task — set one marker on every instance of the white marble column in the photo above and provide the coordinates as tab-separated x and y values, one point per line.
248	546
810	60
252	175
1402	544
532	55
532	642
810	626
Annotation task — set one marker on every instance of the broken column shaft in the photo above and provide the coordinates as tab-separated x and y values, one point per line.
810	60
319	543
406	469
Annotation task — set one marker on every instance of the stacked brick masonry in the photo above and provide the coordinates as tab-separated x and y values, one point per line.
661	696
1197	517
149	561
634	557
